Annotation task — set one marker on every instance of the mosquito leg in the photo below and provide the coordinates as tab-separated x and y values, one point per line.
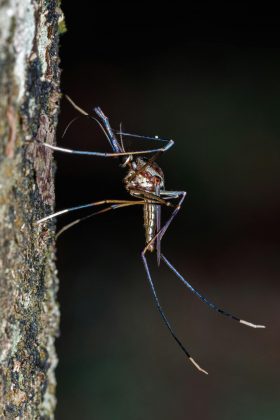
156	199
105	154
97	203
112	207
139	136
163	316
174	213
204	300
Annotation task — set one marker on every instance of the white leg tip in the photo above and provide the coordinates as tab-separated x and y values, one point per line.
249	324
197	366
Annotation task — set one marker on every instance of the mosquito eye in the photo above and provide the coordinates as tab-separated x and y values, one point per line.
157	180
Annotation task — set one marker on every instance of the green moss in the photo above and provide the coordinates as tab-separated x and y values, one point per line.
62	28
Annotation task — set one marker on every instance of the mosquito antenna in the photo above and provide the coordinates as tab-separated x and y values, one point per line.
69	125
82	111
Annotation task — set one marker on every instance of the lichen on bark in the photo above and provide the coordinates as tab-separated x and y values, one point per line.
29	101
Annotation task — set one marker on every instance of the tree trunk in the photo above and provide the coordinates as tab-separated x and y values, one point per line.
29	100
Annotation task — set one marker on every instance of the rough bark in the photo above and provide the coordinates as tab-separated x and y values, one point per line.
29	98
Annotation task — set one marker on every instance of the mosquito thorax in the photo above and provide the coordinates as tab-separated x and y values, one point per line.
144	176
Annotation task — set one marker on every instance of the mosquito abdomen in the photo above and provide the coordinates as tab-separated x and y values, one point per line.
150	223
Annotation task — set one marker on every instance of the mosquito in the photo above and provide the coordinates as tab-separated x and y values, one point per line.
144	181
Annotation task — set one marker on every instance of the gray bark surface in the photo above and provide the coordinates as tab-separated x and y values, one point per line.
29	101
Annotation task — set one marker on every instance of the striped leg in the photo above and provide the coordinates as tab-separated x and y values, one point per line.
201	297
204	300
163	316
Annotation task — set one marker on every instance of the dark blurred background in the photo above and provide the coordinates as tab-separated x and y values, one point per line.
211	84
